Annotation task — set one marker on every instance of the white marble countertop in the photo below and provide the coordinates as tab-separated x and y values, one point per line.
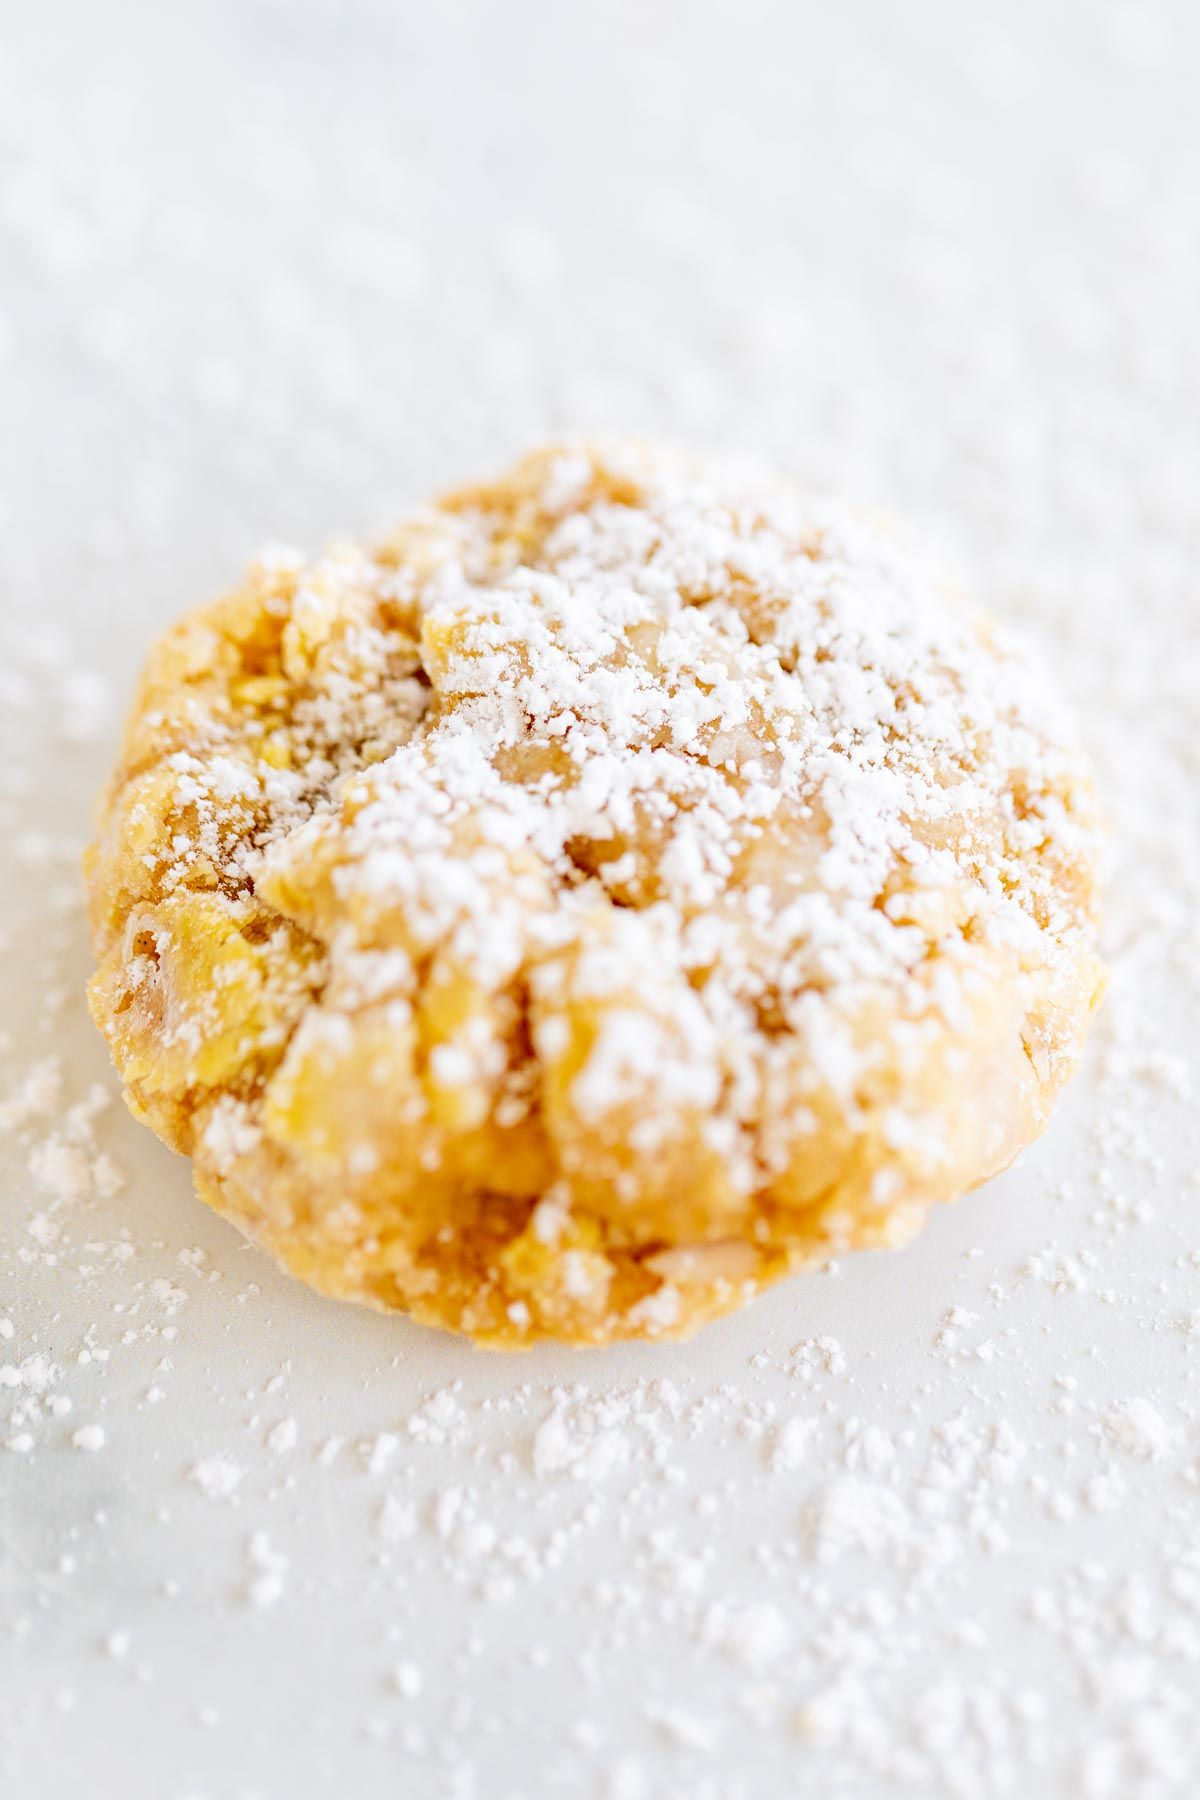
924	1524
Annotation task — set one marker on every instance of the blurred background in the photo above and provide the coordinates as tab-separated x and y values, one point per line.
277	269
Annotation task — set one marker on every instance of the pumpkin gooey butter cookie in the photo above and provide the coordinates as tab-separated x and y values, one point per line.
631	882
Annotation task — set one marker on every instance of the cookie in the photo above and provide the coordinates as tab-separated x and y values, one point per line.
631	882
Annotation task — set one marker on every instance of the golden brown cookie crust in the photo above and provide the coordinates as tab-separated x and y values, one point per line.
631	882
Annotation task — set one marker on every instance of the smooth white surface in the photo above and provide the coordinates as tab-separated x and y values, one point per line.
276	271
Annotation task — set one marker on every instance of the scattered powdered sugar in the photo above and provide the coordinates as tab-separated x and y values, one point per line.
408	1679
269	1568
1138	1428
218	1477
923	1525
283	1437
585	1445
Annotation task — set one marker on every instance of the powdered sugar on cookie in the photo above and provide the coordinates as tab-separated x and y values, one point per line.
635	830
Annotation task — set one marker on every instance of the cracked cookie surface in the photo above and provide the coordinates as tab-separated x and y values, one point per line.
632	881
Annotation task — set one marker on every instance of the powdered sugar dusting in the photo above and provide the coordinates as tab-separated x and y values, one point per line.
920	1525
633	838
